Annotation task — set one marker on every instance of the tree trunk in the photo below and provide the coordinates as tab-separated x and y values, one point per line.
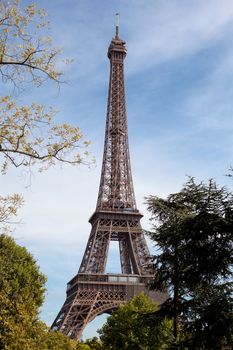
175	301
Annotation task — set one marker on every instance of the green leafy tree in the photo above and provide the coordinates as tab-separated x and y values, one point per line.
127	329
52	340
94	344
28	136
83	346
193	230
21	295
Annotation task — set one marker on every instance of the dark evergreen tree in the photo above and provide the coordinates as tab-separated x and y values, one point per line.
193	230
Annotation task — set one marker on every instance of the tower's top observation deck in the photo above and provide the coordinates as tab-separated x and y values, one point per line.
117	44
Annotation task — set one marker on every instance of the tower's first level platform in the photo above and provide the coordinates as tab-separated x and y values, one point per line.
89	295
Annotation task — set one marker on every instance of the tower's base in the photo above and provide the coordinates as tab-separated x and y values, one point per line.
89	295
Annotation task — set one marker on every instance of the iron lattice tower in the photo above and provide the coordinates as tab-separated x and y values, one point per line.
116	218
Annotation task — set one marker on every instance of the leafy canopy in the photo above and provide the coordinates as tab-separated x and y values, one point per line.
126	328
22	293
22	287
25	55
28	134
193	230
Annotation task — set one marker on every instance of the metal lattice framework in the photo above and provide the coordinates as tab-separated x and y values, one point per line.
116	186
92	292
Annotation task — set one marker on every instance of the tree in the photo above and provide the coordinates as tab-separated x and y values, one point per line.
22	293
28	134
126	328
193	230
25	56
210	318
94	344
83	346
53	340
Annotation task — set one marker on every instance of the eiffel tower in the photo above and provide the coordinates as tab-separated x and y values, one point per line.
116	218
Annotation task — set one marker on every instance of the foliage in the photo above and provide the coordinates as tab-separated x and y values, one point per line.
25	55
193	230
8	209
210	317
28	134
126	328
52	340
83	346
94	344
22	293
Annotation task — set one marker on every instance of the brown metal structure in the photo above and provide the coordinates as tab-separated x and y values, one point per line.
116	218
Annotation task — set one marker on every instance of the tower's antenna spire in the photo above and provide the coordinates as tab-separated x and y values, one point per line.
117	24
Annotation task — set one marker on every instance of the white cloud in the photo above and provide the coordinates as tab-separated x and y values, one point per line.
177	28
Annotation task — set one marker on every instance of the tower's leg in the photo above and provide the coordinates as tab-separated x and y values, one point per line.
124	256
89	301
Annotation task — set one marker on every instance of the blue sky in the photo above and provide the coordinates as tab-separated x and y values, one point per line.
179	84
